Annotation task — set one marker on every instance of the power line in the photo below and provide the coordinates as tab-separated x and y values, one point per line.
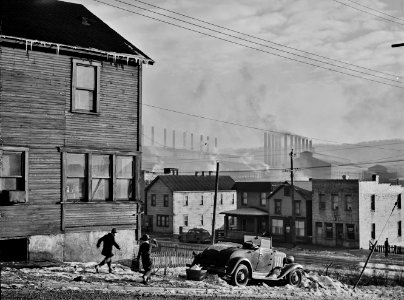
268	52
251	36
369	13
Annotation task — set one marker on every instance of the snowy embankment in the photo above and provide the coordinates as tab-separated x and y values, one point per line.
172	281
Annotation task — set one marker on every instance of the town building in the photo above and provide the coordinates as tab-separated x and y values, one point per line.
281	215
177	203
352	213
250	217
70	147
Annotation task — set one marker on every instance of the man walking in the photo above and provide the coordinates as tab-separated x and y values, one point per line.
386	247
108	241
145	253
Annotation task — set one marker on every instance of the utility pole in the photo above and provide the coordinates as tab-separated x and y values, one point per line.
215	202
292	196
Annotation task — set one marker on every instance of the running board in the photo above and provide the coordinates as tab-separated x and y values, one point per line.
263	276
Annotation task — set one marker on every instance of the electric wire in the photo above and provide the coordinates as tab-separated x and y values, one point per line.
257	38
265	51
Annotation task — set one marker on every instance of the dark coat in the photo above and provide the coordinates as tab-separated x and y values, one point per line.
145	254
108	241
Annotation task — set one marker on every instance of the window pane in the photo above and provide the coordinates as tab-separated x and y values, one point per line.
86	77
75	188
100	189
10	184
76	165
100	166
84	100
124	166
124	189
11	164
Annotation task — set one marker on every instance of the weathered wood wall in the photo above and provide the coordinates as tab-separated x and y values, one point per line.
35	95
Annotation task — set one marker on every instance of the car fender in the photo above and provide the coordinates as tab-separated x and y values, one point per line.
289	268
233	263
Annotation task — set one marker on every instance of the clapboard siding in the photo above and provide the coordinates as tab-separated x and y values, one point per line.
27	220
93	214
35	112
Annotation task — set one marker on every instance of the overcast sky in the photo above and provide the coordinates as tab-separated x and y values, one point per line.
201	75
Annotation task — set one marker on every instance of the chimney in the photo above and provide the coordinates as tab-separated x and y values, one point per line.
196	173
375	177
203	173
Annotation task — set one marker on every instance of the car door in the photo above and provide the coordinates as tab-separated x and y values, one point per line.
265	260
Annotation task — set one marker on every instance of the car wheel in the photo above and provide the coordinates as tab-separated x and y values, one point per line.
241	275
294	278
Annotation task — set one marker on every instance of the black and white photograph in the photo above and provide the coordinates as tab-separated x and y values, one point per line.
188	149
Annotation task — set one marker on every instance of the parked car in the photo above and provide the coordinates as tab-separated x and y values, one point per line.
253	259
195	235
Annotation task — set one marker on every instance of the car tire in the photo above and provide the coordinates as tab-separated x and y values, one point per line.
241	275
294	278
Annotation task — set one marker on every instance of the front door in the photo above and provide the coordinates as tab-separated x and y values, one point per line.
339	230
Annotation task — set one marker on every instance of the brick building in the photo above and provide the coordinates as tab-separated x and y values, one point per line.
350	213
177	203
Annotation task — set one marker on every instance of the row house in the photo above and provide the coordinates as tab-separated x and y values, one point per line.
353	213
250	216
70	147
177	203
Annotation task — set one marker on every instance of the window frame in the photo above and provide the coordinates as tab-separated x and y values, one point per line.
244	198
201	220
373	202
25	169
298	204
373	230
321	201
335	201
186	200
88	176
278	211
201	202
96	99
162	221
348	204
302	229
153	200
221	199
399	201
263	199
185	220
277	232
165	200
399	228
329	234
350	236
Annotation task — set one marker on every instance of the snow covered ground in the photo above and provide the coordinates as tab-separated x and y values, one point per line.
172	281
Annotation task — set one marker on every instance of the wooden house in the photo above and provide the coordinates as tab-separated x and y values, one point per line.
70	147
177	203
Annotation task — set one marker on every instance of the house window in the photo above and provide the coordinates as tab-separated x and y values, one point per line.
286	191
201	200
186	201
101	178
162	221
297	208
334	201
329	231
153	199
299	228
319	229
165	200
185	220
348	202
372	202
278	206
277	226
232	199
89	177
221	199
201	220
231	220
373	231
350	231
13	175
76	174
244	199
399	228
321	202
124	177
399	201
85	86
263	199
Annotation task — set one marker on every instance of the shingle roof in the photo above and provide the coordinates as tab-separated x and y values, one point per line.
305	193
253	186
194	183
61	23
245	211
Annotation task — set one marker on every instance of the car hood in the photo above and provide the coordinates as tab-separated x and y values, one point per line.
217	254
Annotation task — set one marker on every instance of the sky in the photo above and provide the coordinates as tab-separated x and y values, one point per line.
258	86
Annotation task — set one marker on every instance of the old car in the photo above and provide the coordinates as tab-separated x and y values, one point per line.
195	235
253	259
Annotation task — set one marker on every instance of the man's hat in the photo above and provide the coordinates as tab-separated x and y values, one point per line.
113	230
145	237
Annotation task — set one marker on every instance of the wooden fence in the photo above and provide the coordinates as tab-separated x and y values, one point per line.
169	255
392	249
